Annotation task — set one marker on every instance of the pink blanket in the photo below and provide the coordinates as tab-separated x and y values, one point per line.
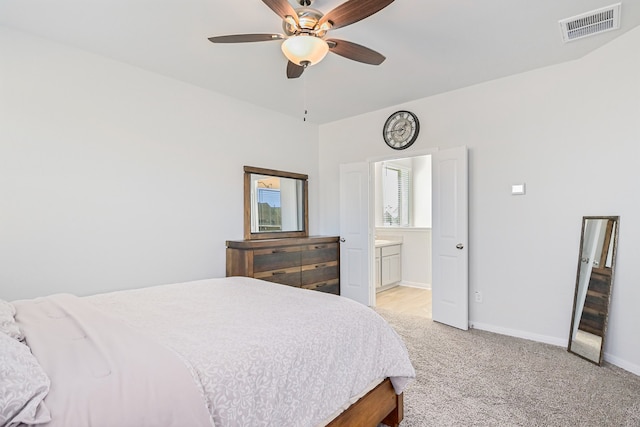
103	372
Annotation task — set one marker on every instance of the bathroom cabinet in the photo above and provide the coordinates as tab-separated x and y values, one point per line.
388	264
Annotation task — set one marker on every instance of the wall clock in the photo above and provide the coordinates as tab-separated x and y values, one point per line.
401	130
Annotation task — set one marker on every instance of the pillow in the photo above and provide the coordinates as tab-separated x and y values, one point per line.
7	322
24	385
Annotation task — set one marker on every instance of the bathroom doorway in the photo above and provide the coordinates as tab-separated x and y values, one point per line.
402	246
449	234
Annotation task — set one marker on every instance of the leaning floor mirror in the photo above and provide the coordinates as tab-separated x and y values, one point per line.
594	279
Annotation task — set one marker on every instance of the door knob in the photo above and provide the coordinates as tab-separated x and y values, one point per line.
342	240
459	246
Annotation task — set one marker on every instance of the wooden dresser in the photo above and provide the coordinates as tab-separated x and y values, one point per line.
306	262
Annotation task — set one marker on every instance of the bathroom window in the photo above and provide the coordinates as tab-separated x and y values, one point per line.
396	182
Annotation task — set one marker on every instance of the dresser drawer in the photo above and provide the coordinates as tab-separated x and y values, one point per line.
286	276
330	286
314	254
276	258
315	273
312	261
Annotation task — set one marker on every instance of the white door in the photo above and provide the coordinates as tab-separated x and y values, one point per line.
355	246
450	283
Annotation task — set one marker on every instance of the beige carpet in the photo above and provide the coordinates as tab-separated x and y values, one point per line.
478	378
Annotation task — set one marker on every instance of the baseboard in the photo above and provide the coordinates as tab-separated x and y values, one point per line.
621	363
415	284
519	334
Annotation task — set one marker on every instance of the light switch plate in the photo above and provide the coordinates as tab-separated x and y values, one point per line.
518	189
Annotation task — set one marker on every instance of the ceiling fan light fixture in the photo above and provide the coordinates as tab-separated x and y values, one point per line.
305	49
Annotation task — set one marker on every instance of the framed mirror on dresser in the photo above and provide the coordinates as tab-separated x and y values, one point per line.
277	246
276	204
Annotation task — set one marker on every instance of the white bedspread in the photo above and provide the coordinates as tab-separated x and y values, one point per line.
266	354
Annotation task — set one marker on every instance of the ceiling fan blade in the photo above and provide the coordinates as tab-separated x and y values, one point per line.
283	9
355	52
246	38
352	11
294	70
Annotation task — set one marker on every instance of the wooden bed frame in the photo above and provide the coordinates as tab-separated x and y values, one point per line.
380	405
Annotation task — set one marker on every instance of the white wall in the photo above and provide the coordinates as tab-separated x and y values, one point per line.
421	167
112	177
570	132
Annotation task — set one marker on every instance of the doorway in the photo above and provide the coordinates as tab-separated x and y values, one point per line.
450	280
402	201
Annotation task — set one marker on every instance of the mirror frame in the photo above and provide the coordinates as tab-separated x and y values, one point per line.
613	235
248	234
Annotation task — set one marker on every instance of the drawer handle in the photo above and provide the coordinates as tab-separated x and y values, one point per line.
275	273
320	247
278	251
321	265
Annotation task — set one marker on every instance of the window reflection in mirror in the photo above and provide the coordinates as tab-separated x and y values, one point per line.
268	215
275	204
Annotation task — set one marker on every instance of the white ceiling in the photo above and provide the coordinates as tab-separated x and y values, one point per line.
432	46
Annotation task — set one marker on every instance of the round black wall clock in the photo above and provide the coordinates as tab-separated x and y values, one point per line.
401	130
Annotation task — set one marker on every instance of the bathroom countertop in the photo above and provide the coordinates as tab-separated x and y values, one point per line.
384	242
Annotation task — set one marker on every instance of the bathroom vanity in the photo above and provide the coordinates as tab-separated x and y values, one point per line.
388	263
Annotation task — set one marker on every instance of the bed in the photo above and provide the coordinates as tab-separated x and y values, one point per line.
226	352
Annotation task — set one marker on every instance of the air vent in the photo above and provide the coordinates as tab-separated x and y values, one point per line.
590	23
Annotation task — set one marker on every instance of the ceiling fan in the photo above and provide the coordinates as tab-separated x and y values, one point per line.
305	29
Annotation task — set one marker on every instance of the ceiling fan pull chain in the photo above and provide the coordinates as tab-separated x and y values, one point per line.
304	97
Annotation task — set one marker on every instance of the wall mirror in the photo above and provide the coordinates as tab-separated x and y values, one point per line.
275	204
594	279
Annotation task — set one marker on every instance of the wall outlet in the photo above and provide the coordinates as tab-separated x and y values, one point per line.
478	296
